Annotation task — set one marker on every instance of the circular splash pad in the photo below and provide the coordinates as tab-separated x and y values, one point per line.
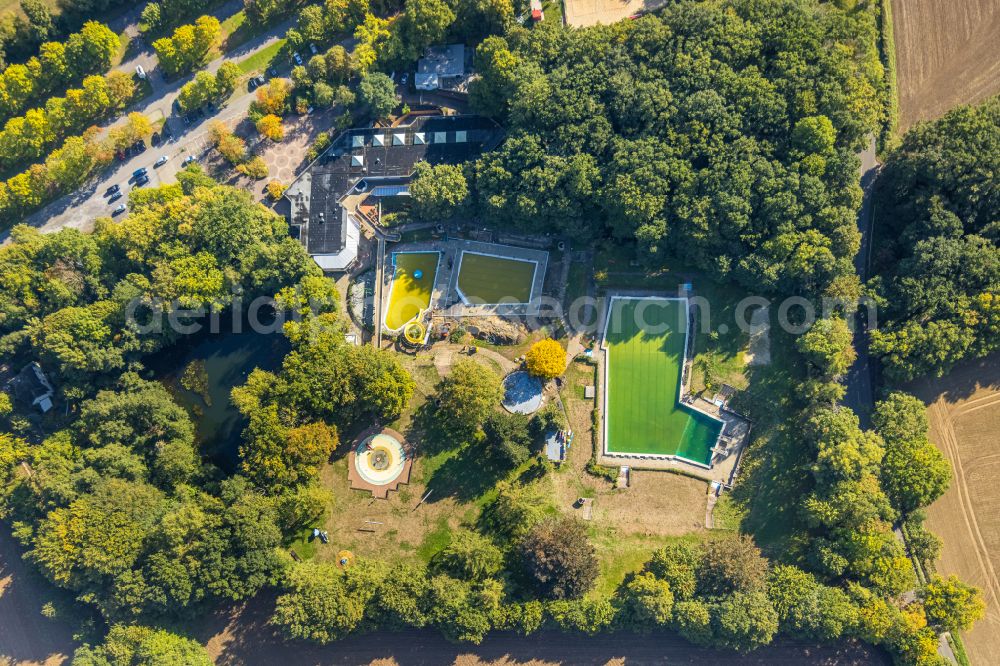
418	274
522	393
414	333
379	459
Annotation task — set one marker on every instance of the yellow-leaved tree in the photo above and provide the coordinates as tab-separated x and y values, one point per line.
546	359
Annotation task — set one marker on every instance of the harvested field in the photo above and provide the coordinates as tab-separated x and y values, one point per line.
946	55
964	413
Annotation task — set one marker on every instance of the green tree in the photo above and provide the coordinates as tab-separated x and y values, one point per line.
807	608
423	24
693	621
744	621
322	603
142	646
828	345
938	272
952	605
469	556
559	559
142	415
378	92
914	473
678	565
649	601
466	397
731	565
438	192
508	437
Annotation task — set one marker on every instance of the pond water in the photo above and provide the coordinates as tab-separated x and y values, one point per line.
222	361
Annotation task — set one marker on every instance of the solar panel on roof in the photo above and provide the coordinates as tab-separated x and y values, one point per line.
378	140
390	190
440	137
357	160
357	141
399	139
460	136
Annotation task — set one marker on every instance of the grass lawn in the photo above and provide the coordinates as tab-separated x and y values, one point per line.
644	371
262	59
235	31
486	279
407	295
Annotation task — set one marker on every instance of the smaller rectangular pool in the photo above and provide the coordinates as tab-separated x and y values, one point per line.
411	288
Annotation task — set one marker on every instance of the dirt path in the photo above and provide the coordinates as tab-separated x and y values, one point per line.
964	414
947	54
26	637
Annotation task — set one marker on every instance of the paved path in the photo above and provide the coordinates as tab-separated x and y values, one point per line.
80	208
860	396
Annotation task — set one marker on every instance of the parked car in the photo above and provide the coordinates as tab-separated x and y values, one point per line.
405	78
160	161
297	58
271	71
188	160
141	180
313	49
139	173
118	211
252	84
113	190
140	72
114	197
139	146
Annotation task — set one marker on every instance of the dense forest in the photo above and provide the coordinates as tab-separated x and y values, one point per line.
938	256
721	132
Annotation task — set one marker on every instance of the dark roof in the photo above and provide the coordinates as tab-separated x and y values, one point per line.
326	232
434	139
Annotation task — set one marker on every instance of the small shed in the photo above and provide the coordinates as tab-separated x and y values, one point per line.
556	444
536	11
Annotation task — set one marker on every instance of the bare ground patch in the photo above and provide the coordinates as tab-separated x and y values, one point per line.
581	13
964	413
947	54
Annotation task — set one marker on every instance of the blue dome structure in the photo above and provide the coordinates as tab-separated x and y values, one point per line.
522	393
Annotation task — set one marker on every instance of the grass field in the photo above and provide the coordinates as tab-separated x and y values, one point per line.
486	279
262	59
644	373
409	296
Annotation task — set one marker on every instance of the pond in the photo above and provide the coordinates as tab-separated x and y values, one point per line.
201	373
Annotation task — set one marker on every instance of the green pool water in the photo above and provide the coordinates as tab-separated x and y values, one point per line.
643	376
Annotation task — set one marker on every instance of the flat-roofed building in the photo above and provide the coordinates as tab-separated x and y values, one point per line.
330	200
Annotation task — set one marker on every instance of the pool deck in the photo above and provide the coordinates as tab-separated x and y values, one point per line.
727	451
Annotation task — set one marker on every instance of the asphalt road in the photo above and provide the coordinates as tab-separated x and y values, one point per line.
860	394
79	209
